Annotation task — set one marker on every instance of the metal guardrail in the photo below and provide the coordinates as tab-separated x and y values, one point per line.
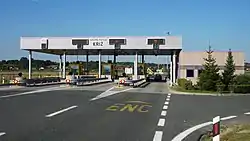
35	81
42	80
54	80
83	81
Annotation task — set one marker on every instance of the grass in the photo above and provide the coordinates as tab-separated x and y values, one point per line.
233	133
179	89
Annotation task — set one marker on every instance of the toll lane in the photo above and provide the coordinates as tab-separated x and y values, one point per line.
134	118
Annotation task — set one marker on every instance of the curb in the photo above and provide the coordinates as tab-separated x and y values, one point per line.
204	94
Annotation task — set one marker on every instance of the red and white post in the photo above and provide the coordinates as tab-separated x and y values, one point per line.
216	128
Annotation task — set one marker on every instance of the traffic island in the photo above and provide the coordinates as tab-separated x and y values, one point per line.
179	90
240	132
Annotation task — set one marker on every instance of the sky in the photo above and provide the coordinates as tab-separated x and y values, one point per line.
226	23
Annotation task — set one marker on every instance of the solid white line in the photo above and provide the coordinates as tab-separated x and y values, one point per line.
161	122
187	132
30	92
110	89
165	107
2	133
61	111
248	113
158	136
229	117
168	99
163	113
166	103
109	93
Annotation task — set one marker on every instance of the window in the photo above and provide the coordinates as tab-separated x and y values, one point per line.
190	73
199	72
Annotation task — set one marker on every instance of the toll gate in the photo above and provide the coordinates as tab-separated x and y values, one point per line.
107	45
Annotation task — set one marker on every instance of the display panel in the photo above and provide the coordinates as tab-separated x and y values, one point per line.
156	41
117	41
80	43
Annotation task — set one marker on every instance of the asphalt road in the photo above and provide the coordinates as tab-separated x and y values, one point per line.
107	113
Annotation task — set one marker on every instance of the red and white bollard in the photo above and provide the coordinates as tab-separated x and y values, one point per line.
216	128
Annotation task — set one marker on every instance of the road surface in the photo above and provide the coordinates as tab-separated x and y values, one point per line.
107	113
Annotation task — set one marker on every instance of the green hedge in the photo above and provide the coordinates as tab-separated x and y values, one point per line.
241	84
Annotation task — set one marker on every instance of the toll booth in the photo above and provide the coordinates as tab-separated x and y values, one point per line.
107	70
76	69
141	70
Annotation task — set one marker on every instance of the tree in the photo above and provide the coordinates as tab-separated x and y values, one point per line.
228	74
209	76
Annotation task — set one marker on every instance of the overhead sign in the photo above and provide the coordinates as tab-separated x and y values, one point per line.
98	42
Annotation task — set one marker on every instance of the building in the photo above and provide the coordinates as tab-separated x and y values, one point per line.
190	63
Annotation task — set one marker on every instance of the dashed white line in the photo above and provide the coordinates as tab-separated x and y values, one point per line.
248	113
161	122
61	111
163	113
166	103
165	107
158	136
2	133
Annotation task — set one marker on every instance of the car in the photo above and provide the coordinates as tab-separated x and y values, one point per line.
158	78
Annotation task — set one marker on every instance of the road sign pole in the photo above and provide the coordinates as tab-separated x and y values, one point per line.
216	128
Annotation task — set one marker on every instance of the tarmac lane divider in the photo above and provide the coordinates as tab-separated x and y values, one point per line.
130	106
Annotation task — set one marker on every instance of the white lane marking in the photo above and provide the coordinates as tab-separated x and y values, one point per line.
229	117
166	103
10	88
109	93
2	133
248	113
168	96
161	122
165	107
187	132
61	111
163	113
168	99
31	92
158	136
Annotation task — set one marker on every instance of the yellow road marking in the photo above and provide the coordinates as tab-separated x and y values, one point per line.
130	107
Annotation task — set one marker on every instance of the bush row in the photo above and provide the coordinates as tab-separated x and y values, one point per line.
241	84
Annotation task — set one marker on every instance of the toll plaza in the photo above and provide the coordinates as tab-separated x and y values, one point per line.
138	46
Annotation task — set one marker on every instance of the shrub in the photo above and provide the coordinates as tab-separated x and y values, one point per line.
181	82
185	84
242	84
